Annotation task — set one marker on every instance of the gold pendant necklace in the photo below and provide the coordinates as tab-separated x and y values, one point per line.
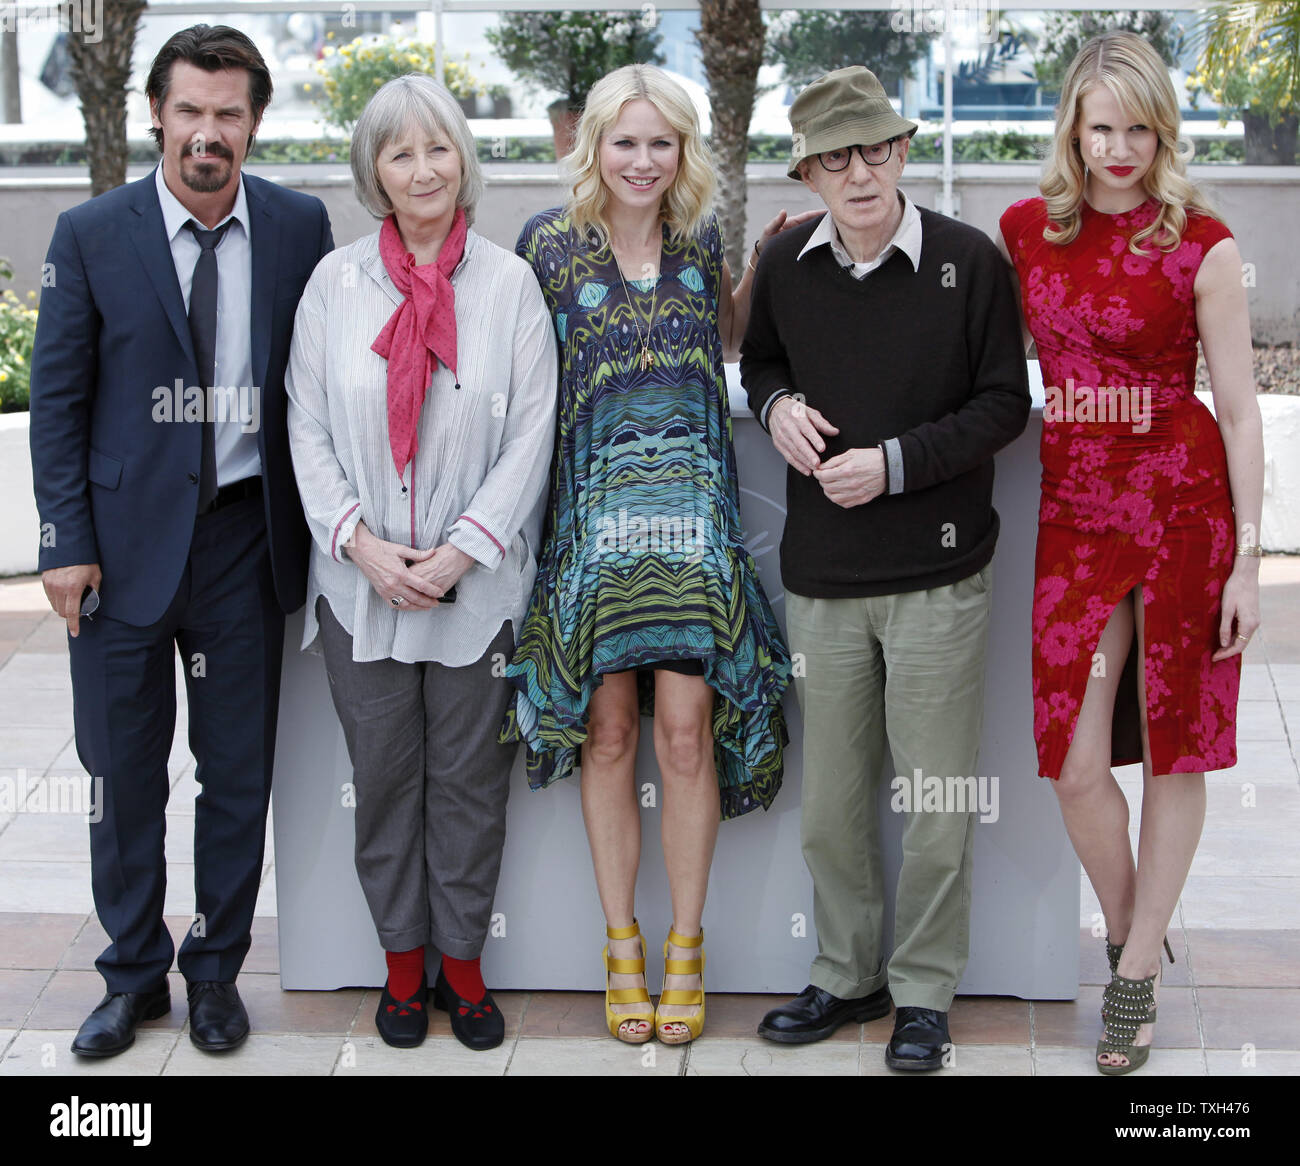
646	358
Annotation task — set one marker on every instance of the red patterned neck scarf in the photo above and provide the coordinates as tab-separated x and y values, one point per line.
421	332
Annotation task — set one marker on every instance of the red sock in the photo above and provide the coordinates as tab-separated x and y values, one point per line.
465	978
405	968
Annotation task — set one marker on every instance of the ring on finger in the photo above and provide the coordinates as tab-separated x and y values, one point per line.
396	601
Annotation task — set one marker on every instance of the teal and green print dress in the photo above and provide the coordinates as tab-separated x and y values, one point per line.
643	559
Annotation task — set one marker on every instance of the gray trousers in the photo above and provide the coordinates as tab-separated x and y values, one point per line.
431	785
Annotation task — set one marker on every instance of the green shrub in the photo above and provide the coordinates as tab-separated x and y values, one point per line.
989	146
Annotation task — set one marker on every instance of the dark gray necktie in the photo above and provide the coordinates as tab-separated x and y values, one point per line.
203	331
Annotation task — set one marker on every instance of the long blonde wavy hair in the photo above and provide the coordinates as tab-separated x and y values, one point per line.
1134	73
686	204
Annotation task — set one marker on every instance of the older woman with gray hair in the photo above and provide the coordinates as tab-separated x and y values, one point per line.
421	390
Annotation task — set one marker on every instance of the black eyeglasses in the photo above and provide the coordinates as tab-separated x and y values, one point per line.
877	155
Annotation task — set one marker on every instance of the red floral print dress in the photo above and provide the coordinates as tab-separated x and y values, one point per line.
1134	487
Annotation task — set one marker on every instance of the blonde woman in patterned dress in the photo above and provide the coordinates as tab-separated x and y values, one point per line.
646	599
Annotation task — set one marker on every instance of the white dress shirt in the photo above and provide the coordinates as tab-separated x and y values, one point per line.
237	454
907	239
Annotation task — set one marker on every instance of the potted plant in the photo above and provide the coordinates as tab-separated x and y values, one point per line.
501	104
1250	66
568	52
810	42
353	72
1064	34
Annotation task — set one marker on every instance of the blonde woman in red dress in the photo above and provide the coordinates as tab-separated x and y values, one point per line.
1148	536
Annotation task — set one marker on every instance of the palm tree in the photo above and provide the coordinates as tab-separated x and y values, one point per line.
731	43
101	69
1250	61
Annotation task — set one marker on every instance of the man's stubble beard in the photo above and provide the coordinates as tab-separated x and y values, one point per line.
200	178
206	177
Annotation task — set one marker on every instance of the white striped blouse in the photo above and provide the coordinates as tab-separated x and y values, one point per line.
480	476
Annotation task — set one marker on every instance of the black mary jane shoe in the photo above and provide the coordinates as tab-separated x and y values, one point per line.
477	1026
218	1021
920	1039
110	1028
815	1014
404	1023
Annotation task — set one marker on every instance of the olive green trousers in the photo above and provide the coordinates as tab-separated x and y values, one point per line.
905	670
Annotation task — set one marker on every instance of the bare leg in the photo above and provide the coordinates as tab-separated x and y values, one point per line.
613	818
1173	813
683	734
1092	804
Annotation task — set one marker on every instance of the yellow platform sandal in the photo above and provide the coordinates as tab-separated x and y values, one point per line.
627	967
683	996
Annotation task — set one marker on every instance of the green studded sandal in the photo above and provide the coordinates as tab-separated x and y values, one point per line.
1126	1005
1115	950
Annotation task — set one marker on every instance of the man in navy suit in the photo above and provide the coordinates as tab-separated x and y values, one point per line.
170	517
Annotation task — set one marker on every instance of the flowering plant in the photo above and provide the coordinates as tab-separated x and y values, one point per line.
1250	65
568	52
17	336
353	72
810	42
1259	82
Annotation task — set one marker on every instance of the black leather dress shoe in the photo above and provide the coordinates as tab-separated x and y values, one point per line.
477	1026
111	1027
404	1023
920	1039
217	1018
814	1014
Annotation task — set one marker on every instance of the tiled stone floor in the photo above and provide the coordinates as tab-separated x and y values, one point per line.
1230	1005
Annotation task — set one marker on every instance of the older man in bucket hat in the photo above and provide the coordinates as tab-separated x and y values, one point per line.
883	356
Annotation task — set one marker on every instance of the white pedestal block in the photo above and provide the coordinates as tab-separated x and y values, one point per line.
548	930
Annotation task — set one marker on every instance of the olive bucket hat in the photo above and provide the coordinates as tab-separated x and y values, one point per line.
847	107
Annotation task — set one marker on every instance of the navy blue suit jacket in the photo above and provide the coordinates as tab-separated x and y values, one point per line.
113	485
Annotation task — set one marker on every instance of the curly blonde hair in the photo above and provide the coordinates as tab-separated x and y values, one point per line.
686	204
1134	73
